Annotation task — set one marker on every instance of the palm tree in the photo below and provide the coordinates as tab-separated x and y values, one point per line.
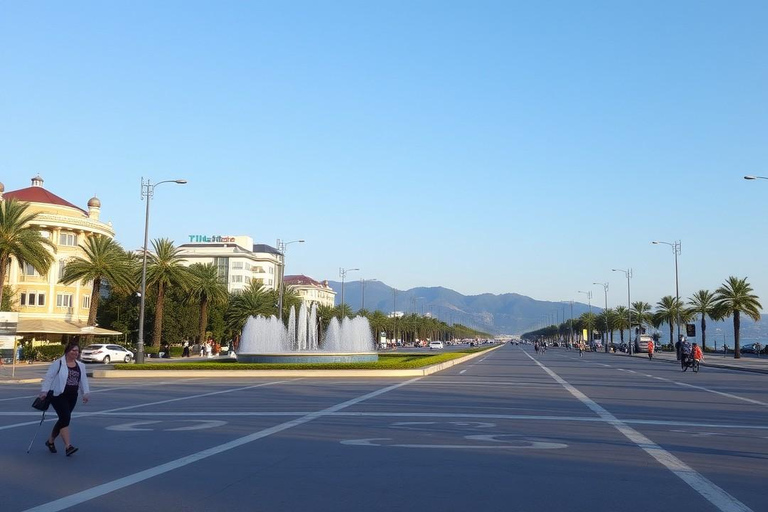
641	313
622	322
105	260
703	303
253	301
735	297
667	310
206	290
165	270
20	240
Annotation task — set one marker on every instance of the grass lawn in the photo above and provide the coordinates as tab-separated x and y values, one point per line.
387	361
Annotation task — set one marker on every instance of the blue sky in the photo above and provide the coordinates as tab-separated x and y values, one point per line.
525	147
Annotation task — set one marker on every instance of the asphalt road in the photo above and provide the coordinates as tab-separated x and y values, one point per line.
508	431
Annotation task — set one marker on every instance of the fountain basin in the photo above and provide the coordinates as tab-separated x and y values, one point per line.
309	357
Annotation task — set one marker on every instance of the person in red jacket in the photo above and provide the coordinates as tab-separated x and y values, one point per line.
696	352
650	349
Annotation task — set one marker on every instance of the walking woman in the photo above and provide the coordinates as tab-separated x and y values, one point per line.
66	377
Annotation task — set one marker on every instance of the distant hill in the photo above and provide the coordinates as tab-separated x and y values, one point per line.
510	313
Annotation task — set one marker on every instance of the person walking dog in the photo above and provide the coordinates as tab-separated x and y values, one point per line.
66	378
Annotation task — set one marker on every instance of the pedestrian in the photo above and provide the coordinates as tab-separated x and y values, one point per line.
185	349
650	350
677	346
66	378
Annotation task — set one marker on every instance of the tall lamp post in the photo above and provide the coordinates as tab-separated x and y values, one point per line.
627	273
756	177
362	291
589	325
676	250
605	312
343	275
281	248
147	191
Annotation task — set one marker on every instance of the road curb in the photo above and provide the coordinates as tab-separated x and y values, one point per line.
20	381
416	372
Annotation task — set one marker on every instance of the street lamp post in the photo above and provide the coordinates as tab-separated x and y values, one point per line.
756	177
676	246
362	291
281	249
343	275
589	325
147	191
605	312
627	273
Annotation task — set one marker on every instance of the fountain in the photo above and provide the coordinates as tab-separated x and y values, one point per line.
267	340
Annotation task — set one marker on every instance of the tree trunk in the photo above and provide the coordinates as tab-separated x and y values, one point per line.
3	269
674	345
157	335
703	333
736	326
203	319
95	293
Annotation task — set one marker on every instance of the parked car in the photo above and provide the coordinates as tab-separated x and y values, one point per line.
436	344
103	353
751	348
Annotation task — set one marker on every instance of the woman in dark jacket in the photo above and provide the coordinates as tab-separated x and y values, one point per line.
66	377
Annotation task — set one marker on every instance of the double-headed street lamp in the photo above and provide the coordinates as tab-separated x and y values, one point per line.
605	312
343	275
147	191
281	249
676	250
756	177
627	273
589	325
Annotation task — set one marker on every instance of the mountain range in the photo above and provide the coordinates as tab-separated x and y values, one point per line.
509	313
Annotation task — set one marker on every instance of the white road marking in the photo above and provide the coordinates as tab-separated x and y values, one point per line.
198	425
525	444
192	397
706	488
132	427
462	371
120	483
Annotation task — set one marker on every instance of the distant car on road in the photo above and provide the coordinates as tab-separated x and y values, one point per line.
751	348
103	353
436	345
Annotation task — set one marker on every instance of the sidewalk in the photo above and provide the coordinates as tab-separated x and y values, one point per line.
747	362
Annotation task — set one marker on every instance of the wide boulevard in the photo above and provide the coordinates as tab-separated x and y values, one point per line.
505	431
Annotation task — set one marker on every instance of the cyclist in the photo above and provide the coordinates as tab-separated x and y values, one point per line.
696	353
685	352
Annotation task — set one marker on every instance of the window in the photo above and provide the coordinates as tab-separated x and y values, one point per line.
62	264
237	279
247	279
29	270
64	300
86	301
271	270
247	266
69	239
237	265
31	299
45	234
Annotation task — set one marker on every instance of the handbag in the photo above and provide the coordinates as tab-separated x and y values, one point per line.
42	404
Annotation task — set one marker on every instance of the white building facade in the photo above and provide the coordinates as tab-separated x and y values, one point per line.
311	291
239	261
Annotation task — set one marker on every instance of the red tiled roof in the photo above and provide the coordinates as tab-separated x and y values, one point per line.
301	280
38	195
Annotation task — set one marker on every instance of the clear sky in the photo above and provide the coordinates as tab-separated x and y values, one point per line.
525	147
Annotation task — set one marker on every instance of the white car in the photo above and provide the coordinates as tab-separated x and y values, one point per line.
103	353
435	344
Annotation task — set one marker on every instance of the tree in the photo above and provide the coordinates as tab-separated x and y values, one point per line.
105	260
667	310
703	303
733	298
255	300
622	322
165	270
206	289
22	241
641	313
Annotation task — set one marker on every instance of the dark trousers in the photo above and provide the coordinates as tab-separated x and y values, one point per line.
63	404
